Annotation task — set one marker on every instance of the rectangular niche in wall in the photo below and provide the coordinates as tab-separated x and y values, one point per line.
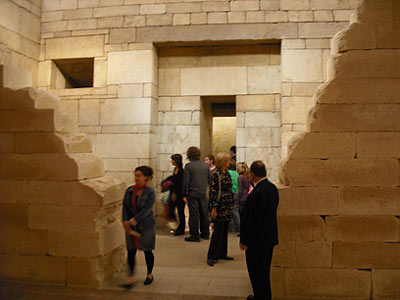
77	72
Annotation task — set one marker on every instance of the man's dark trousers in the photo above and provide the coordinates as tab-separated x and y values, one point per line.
198	213
259	265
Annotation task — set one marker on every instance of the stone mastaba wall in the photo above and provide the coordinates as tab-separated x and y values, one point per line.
339	214
59	215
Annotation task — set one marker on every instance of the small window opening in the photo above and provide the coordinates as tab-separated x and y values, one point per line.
77	72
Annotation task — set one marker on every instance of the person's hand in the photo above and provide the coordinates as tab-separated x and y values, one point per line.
173	197
133	222
214	213
185	199
127	226
243	247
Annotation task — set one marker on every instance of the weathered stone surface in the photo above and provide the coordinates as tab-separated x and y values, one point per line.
122	35
355	117
120	145
254	137
374	255
378	144
342	283
301	228
97	192
9	193
313	254
369	90
294	109
215	81
302	65
320	30
387	35
169	82
262	119
284	255
369	201
362	228
75	47
186	103
125	111
44	192
39	143
7	143
295	201
340	172
255	103
23	241
33	268
264	79
26	120
358	36
386	283
213	33
322	145
14	216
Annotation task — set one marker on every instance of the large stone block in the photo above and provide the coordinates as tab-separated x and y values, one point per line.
367	255
369	201
362	228
313	254
33	268
255	103
186	103
179	8
301	228
355	117
262	119
317	283
177	118
112	11
39	143
386	283
169	80
120	145
295	201
253	137
387	35
368	90
370	64
14	216
26	120
378	144
122	35
357	36
264	79
323	145
295	5
302	65
7	143
51	166
295	109
24	241
320	30
120	65
44	192
9	193
75	47
126	111
284	255
340	172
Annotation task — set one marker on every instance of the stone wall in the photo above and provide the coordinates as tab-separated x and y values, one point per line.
60	217
19	42
122	35
339	212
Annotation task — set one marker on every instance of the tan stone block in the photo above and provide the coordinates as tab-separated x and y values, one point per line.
260	119
236	17
153	9
52	16
134	21
387	36
369	201
24	241
130	90
111	2
82	24
198	18
49	5
295	201
97	192
378	145
125	111
9	193
270	4
355	117
320	30
301	228
88	3
327	283
179	8
89	112
7	143
342	15
362	228
371	255
302	65
295	4
323	16
54	26
276	16
244	5
120	65
112	11
358	36
216	81
213	6
386	283
26	120
39	143
284	255
293	44
120	145
159	20
122	35
254	137
301	16
100	73
169	82
14	216
340	172
186	103
323	145
177	118
318	43
115	164
303	88
313	254
327	4
165	103
217	18
255	103
44	192
213	33
74	47
86	13
181	19
110	22
369	90
33	268
295	109
262	80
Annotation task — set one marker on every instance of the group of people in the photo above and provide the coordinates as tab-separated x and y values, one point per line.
215	193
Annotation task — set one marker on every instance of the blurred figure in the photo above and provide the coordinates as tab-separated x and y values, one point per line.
176	193
210	161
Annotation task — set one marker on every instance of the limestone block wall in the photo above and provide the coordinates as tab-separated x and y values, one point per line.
19	42
118	32
60	217
339	212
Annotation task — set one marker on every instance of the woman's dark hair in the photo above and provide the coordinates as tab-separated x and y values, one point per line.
146	171
258	169
193	153
178	159
233	149
211	157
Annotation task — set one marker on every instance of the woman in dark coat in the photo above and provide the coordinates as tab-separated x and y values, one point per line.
139	223
176	193
221	203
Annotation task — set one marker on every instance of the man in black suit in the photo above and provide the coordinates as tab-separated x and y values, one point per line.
259	231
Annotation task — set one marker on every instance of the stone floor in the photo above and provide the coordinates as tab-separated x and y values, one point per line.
180	272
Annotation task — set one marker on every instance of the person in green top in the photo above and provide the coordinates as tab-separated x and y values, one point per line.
234	177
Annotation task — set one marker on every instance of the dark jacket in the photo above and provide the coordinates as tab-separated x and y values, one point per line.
224	204
258	225
195	179
243	190
144	208
177	180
